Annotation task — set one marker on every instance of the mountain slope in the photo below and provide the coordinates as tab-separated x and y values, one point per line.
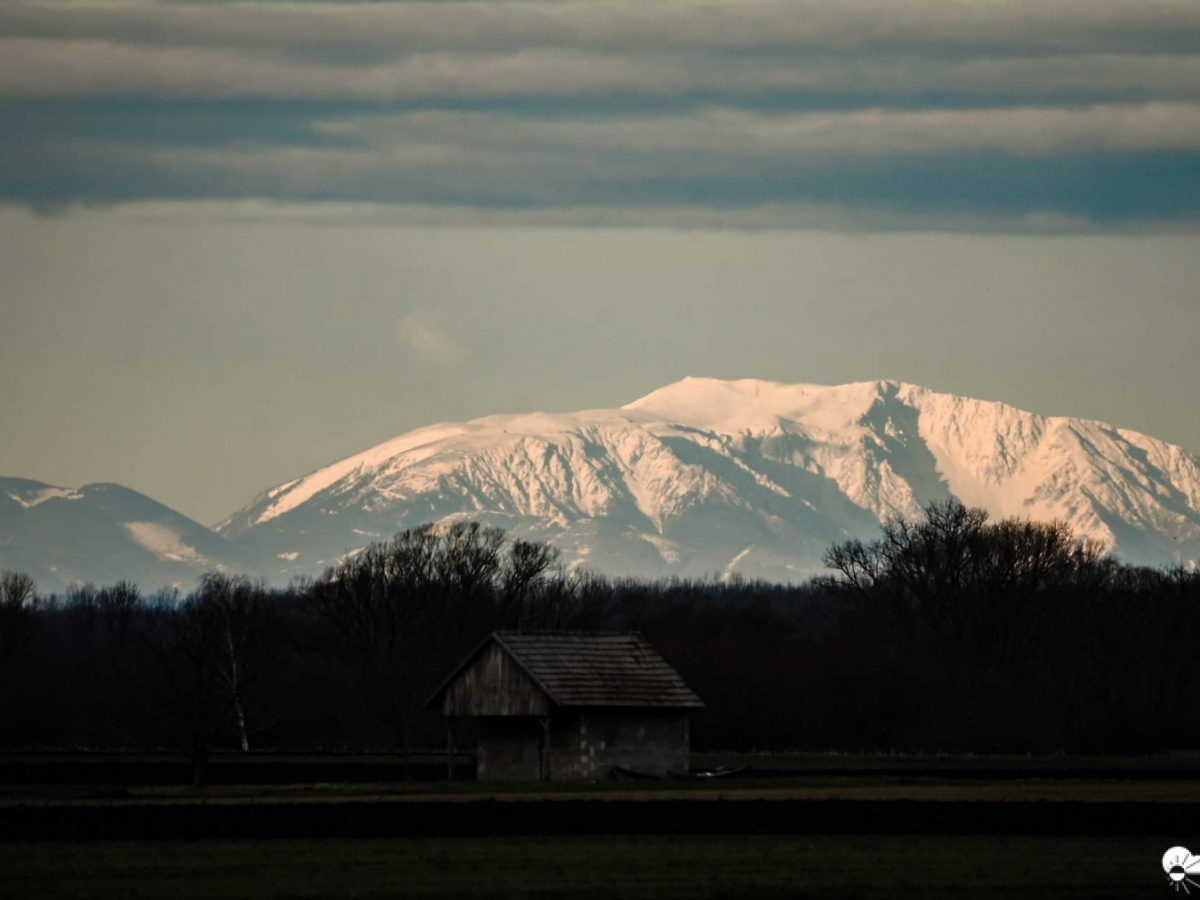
103	533
715	477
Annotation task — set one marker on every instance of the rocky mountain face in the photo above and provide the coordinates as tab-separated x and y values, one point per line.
700	478
708	477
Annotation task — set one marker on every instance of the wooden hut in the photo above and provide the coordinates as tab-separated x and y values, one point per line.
552	705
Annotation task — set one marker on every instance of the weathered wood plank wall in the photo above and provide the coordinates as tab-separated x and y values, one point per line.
494	685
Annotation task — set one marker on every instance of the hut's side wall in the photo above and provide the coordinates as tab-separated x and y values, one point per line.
588	744
494	685
509	749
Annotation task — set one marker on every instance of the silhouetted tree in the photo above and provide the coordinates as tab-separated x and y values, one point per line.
979	589
18	614
948	632
117	607
181	642
209	652
245	621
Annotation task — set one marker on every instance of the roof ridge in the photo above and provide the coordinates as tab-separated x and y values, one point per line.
579	632
590	668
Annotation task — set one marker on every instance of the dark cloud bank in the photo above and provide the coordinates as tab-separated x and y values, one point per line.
987	116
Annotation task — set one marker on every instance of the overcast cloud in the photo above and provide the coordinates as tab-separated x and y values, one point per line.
873	110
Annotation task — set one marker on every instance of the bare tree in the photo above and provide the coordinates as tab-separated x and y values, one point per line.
118	606
182	646
210	652
978	589
244	621
524	577
468	566
370	600
18	603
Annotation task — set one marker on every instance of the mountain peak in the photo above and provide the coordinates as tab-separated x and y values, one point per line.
752	404
700	476
705	473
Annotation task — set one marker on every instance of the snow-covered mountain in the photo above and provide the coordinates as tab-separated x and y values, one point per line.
701	477
103	533
714	477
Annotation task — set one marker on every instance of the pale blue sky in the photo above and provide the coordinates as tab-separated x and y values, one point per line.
240	240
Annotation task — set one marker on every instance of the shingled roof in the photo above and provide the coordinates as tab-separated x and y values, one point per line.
594	668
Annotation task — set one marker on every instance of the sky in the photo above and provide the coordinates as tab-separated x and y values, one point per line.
241	240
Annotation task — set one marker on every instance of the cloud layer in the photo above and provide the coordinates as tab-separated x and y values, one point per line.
1085	114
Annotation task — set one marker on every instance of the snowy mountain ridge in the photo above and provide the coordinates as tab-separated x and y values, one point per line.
104	533
702	477
706	477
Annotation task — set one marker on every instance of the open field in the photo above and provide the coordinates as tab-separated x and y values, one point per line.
796	825
732	789
955	765
817	866
160	777
486	817
73	768
64	768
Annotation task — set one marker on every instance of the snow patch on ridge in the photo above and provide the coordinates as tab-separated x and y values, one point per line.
161	541
732	567
667	550
35	498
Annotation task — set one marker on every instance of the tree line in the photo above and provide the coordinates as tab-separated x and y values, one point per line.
946	633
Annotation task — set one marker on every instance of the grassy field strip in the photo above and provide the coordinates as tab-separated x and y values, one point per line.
762	866
949	761
1154	792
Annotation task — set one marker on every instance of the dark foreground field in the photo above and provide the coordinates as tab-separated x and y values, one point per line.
799	827
810	866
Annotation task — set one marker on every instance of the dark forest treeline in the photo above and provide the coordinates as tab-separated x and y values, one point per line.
946	634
